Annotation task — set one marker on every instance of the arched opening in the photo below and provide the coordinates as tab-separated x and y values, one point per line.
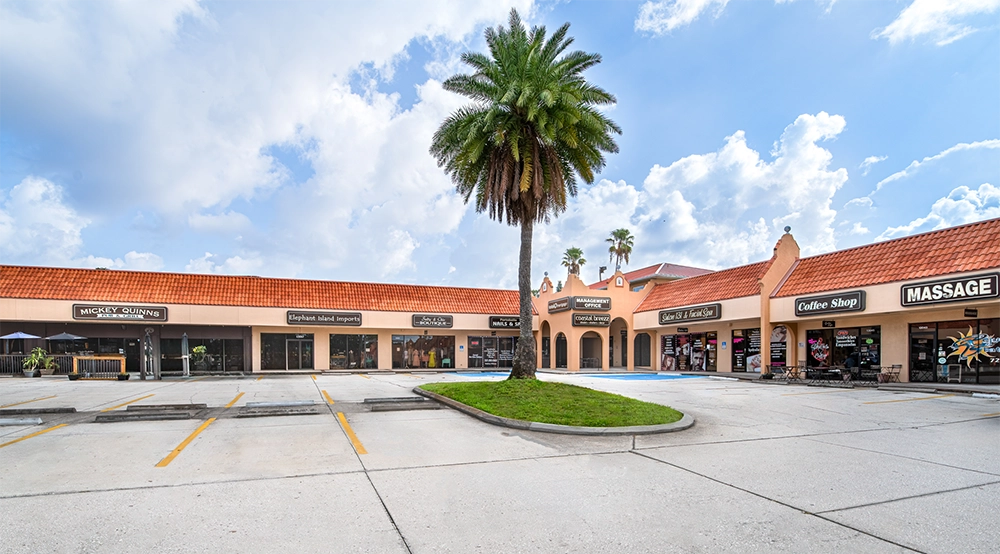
590	351
618	343
561	351
641	347
546	345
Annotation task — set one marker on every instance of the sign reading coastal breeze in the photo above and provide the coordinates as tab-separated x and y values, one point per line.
591	320
559	305
505	321
591	303
431	320
694	313
119	313
347	319
950	290
853	301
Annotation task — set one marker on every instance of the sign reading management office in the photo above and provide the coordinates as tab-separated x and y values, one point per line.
979	287
107	312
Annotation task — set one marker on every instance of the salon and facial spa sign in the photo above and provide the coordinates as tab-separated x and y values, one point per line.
950	290
104	312
694	313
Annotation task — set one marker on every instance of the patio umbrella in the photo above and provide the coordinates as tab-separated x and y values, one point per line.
185	355
19	335
65	336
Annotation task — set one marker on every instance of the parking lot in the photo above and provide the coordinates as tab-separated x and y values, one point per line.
767	468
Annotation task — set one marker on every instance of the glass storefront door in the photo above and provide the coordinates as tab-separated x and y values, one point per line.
299	353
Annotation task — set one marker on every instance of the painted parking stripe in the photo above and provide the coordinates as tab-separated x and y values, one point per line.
358	447
261	377
170	457
35	434
991	415
911	399
27	401
363	375
817	392
127	403
314	377
328	399
233	401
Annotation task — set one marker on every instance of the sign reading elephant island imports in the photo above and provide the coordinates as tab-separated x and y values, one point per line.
346	319
119	313
694	313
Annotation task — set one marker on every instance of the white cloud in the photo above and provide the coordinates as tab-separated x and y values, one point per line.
916	165
867	164
138	261
662	17
235	265
228	222
943	21
858	229
961	205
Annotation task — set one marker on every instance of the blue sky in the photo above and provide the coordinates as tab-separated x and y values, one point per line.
291	139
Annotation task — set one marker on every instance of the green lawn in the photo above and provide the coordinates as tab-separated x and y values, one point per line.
558	403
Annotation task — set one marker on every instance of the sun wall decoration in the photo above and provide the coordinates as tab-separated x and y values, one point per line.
969	346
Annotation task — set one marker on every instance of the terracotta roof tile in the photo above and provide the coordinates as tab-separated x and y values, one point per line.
223	290
971	247
658	270
713	287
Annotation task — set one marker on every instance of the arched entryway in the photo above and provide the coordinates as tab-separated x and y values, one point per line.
561	351
642	350
591	351
546	345
618	343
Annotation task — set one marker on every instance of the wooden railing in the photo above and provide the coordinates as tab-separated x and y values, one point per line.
12	364
107	367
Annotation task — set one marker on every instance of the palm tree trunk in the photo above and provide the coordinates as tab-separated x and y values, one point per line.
524	354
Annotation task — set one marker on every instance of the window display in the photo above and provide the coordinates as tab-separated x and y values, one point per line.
353	351
423	351
851	347
956	351
689	352
492	351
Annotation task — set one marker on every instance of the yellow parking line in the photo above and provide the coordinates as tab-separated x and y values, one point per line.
817	392
170	457
314	377
911	399
261	377
358	447
27	401
991	415
328	399
233	401
363	375
43	431
199	378
127	403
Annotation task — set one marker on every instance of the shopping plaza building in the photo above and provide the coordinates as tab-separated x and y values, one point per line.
929	303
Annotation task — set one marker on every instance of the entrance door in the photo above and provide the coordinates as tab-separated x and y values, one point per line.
490	353
922	357
546	341
561	351
132	355
299	353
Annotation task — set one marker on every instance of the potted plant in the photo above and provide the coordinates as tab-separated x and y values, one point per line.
201	358
73	376
37	361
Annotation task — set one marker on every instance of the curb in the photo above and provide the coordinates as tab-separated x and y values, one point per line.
685	422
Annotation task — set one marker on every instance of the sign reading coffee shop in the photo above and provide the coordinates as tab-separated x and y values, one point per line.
591	320
853	301
694	313
345	319
505	321
559	305
950	290
433	321
119	313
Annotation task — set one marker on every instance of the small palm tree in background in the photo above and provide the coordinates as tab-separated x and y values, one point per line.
573	260
532	128
621	241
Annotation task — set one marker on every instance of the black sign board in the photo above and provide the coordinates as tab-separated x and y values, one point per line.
694	313
105	312
853	301
829	323
682	329
340	319
950	290
560	305
591	303
433	321
591	320
505	321
971	312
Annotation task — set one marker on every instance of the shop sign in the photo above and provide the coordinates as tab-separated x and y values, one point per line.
829	323
971	312
119	313
682	329
433	321
591	320
845	339
695	313
559	305
591	303
343	319
505	321
853	301
950	290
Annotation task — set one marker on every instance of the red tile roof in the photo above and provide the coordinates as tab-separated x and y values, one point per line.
713	287
667	271
971	247
223	290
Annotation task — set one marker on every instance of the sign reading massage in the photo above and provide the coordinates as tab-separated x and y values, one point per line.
119	313
591	320
505	321
433	321
950	290
694	313
344	319
853	301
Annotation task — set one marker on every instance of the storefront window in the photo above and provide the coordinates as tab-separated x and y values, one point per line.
491	351
641	347
423	351
286	351
353	351
220	355
956	351
848	347
746	350
689	352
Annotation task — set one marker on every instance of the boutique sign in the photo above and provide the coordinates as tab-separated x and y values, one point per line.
591	320
853	301
342	319
433	321
103	312
979	287
695	313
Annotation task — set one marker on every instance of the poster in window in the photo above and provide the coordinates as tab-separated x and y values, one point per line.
779	345
668	360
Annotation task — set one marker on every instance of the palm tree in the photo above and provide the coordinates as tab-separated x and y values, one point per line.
621	241
573	260
532	128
